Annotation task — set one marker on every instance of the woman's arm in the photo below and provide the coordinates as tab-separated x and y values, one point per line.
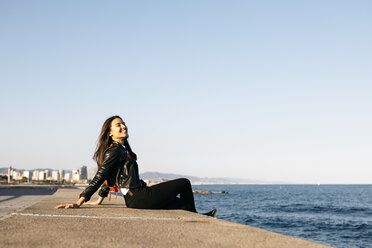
98	202
80	202
111	158
72	205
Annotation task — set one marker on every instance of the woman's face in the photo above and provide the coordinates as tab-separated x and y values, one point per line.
118	130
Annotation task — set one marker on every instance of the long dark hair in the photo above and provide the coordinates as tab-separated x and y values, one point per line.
104	140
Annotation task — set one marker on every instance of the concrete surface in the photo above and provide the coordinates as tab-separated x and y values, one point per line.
112	225
17	198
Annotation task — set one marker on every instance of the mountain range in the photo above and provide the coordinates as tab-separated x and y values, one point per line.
158	176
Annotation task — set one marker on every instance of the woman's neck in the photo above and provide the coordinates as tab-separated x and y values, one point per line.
121	141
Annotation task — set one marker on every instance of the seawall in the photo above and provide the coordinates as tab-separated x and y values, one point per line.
112	225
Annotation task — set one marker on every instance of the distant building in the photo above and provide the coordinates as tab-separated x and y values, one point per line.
17	175
10	173
47	174
79	174
42	176
61	174
35	175
67	177
55	175
83	172
92	170
75	175
27	174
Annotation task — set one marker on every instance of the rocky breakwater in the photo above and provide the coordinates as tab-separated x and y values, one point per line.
209	192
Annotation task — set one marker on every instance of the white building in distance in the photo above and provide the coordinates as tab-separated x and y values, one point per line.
92	170
75	175
67	177
79	173
48	176
35	175
55	175
61	174
17	175
27	174
42	176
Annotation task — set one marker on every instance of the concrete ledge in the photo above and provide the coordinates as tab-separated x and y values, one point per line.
112	225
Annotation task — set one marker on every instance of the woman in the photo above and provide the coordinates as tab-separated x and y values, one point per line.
118	167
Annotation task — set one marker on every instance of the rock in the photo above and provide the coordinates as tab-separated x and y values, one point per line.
209	192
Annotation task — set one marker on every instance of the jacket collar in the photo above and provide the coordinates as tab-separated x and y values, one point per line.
118	144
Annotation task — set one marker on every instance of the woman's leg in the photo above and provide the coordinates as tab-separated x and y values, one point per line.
164	196
177	203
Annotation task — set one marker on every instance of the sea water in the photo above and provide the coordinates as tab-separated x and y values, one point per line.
336	215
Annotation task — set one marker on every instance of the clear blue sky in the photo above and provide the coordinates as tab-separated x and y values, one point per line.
267	90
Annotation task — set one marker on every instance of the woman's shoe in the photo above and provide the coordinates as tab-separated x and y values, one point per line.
211	213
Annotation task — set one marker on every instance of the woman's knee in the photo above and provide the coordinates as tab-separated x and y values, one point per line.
185	182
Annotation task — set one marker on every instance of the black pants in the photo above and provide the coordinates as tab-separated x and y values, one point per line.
163	196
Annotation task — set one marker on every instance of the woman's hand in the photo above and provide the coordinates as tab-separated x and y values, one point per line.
72	205
95	203
67	205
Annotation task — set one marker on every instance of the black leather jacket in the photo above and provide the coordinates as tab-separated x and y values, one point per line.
119	169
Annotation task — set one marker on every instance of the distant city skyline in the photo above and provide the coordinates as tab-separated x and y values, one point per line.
271	91
46	174
85	174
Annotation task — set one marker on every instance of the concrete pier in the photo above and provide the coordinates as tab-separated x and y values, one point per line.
112	225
